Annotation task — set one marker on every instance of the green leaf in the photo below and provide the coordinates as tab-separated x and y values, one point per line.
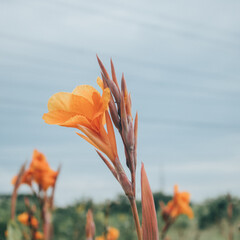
13	231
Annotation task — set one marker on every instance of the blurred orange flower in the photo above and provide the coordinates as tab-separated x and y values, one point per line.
100	238
43	175
39	171
26	178
38	235
178	205
85	110
24	219
112	234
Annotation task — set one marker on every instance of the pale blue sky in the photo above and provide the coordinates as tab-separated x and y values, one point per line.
181	62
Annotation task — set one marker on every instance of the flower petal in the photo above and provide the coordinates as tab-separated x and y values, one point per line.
71	103
98	141
100	83
87	92
65	119
57	117
88	140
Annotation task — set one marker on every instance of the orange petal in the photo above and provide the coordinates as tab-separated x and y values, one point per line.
14	179
104	135
113	233
184	208
65	119
39	235
57	117
71	103
100	83
87	92
189	212
23	218
98	121
103	105
88	140
185	196
39	161
174	212
98	141
78	119
100	238
106	98
175	189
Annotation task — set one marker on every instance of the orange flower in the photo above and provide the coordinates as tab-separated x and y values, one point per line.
39	171
85	109
24	219
26	178
100	238
112	234
38	235
42	173
178	205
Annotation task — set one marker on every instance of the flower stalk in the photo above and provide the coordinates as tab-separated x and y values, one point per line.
88	111
120	110
39	172
136	217
175	207
15	190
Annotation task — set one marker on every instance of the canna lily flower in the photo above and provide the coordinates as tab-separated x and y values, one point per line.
112	234
39	171
26	178
43	175
86	110
25	219
178	205
38	235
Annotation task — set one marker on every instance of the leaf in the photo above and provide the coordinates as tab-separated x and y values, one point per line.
149	218
13	231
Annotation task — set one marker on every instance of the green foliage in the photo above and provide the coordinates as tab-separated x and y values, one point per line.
14	231
5	209
120	205
4	214
69	222
158	197
182	222
213	211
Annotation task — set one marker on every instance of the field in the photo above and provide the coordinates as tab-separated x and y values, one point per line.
211	220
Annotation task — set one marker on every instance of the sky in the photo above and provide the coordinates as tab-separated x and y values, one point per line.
181	63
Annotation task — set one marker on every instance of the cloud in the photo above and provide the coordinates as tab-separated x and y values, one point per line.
181	65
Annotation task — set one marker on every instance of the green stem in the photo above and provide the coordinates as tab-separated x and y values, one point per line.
166	228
